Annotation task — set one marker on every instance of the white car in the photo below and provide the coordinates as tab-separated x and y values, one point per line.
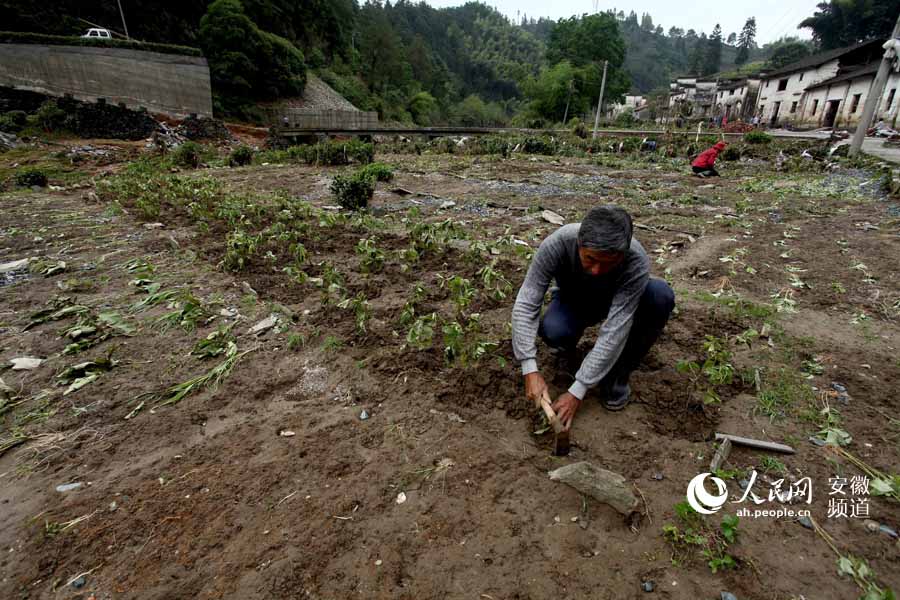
94	33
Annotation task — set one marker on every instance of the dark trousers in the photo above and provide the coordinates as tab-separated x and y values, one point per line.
709	172
565	320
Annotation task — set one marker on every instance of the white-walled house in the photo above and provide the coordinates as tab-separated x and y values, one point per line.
839	101
736	98
632	103
824	90
692	96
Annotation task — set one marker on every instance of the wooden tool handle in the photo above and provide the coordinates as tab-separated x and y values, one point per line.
551	416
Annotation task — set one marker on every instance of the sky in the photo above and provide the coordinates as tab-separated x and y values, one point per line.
774	18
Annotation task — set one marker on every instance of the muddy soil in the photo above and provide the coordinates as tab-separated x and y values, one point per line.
272	485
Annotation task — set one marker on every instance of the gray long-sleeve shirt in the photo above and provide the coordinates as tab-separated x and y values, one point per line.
557	259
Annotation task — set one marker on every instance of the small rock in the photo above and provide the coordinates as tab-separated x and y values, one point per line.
743	483
448	204
363	415
113	506
552	217
648	586
806	522
574	519
401	498
871	525
247	289
153	225
728	596
264	325
378	563
26	363
68	487
286	433
816	441
79	582
658	476
228	312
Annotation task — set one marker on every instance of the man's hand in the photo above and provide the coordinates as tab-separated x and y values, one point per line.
565	408
535	386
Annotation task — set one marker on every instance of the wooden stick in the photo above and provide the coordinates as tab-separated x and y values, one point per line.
758	444
720	456
546	405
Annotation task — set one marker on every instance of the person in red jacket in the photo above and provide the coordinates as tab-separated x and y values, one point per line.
705	163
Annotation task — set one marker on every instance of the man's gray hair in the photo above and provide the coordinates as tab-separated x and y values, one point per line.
606	228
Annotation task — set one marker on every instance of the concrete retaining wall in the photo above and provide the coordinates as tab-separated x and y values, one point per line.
169	84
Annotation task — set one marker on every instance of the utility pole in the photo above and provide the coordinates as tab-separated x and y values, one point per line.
600	100
122	14
877	89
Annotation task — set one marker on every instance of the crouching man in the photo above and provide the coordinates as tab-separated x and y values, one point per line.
601	274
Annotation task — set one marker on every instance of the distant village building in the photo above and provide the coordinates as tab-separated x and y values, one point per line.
827	90
692	97
824	90
634	104
736	98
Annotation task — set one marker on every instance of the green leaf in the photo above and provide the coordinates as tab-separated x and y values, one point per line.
881	487
845	566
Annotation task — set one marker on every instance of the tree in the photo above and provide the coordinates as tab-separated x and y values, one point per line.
840	23
591	38
696	60
732	38
575	51
423	108
746	41
647	22
788	53
713	56
246	62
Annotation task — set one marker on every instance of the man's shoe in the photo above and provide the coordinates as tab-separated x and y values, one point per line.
616	396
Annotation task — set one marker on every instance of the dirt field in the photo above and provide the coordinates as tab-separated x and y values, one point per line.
271	485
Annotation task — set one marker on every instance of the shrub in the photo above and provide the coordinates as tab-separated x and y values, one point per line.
731	153
757	137
30	176
334	153
17	37
576	126
13	121
353	191
378	172
50	116
241	156
188	155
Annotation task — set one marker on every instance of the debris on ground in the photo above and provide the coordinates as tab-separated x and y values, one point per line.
25	363
68	487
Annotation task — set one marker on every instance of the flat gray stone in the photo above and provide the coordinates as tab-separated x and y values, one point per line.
552	217
602	485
